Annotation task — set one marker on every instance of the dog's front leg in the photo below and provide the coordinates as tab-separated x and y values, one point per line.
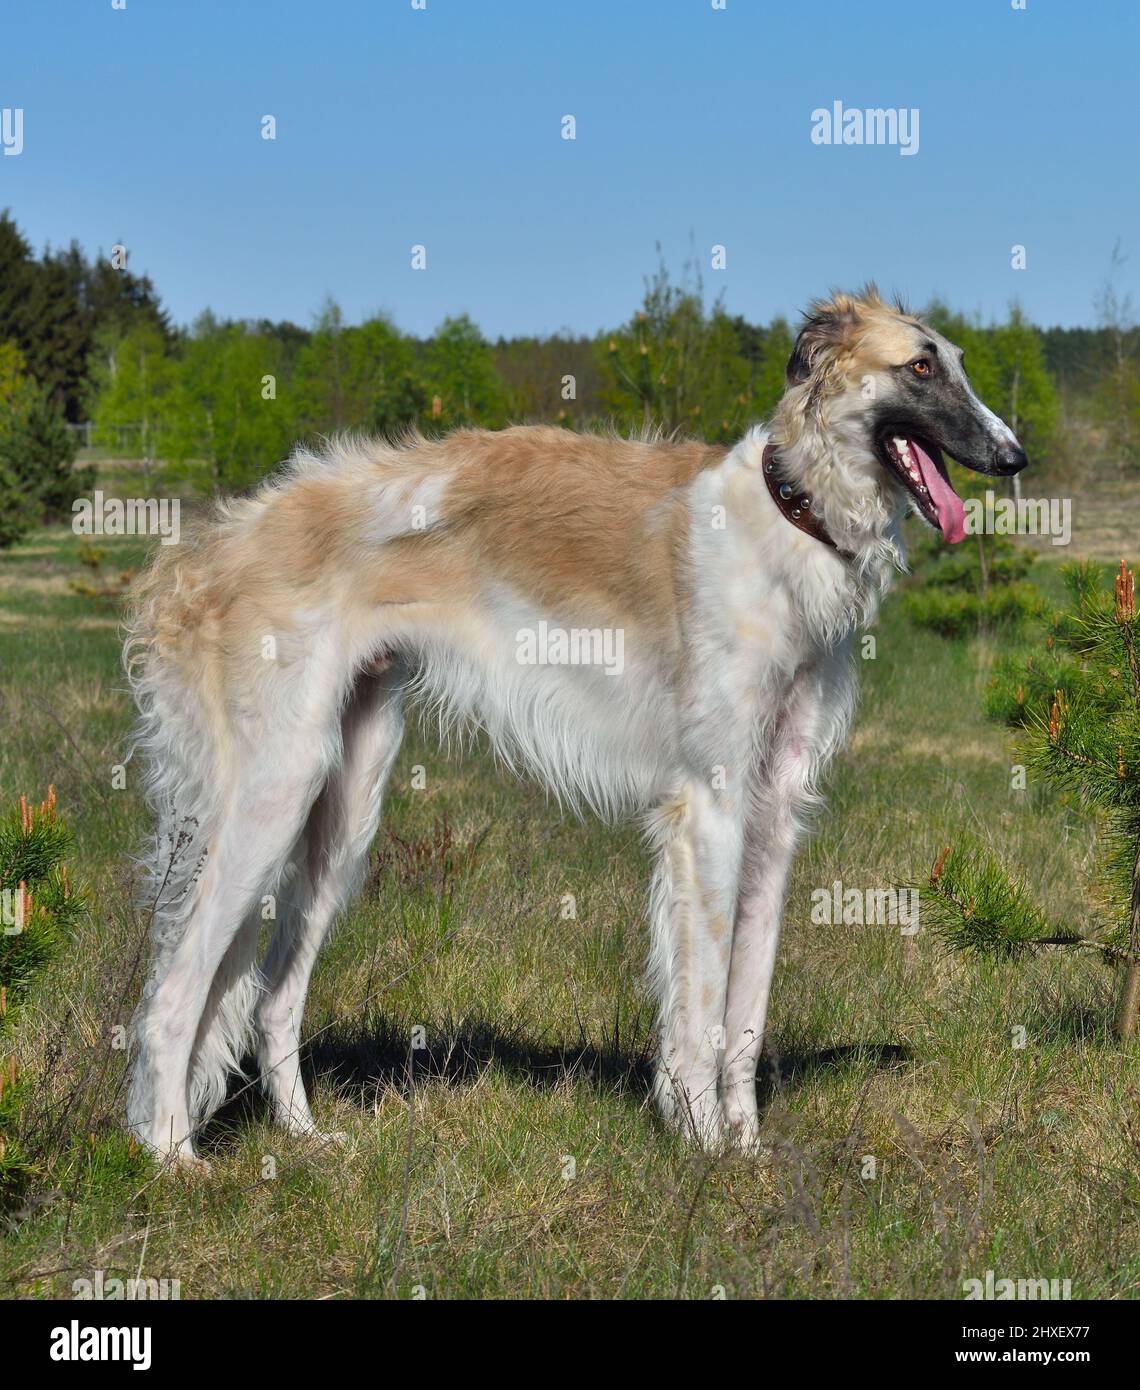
768	860
693	901
814	722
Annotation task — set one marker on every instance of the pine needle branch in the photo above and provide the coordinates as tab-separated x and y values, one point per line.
973	906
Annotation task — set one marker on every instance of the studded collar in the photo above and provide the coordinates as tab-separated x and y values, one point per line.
795	506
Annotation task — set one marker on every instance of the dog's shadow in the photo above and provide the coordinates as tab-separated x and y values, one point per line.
361	1062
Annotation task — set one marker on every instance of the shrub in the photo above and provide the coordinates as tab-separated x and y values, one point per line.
959	612
973	587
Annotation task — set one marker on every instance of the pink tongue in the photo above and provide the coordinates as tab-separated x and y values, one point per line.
951	512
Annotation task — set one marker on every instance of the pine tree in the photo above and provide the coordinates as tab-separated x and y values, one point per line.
40	905
1083	737
55	308
37	480
18	270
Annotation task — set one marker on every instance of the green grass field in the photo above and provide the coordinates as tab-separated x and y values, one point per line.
910	1144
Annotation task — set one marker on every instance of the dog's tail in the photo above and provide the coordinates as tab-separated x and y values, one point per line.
173	663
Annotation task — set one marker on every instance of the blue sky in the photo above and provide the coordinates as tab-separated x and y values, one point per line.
441	127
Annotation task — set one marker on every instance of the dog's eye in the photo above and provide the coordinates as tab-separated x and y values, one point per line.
921	367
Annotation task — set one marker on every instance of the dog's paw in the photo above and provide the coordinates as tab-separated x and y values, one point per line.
186	1163
315	1138
334	1138
742	1136
741	1126
695	1113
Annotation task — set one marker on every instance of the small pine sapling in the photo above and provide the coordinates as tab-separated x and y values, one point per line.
1084	738
38	907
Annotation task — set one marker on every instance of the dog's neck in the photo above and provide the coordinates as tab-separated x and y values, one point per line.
795	506
825	454
829	462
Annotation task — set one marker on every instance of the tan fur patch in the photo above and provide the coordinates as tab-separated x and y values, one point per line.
588	529
576	520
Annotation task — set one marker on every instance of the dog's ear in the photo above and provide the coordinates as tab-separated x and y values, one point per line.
827	327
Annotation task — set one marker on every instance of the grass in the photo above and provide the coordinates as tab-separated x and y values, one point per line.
910	1144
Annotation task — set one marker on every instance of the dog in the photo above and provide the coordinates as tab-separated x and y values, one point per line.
273	652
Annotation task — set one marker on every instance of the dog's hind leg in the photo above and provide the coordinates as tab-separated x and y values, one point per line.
331	859
225	1030
181	1059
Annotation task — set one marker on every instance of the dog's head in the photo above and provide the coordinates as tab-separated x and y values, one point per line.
881	378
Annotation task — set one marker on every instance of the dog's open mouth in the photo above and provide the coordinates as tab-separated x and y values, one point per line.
919	464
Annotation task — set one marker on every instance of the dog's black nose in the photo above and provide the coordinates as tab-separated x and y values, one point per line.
1009	458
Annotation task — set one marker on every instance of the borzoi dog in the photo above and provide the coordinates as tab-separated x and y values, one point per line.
272	653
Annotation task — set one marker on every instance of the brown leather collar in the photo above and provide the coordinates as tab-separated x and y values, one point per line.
796	506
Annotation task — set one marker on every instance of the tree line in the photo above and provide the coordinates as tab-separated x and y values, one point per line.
222	402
